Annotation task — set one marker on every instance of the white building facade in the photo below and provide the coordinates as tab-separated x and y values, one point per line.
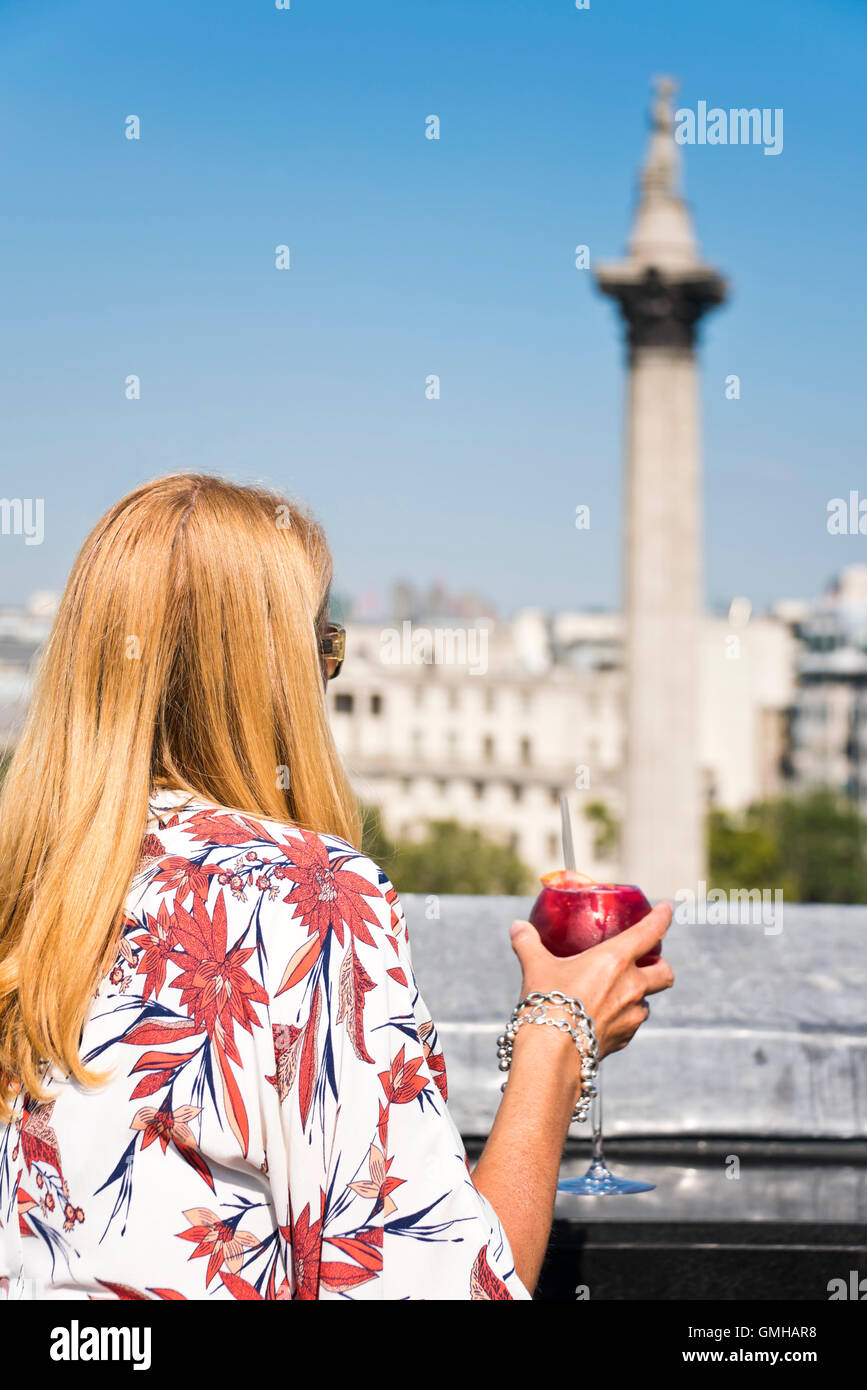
428	740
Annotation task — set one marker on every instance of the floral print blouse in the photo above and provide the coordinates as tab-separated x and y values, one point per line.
273	1122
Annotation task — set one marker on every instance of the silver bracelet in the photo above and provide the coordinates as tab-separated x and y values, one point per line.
531	1009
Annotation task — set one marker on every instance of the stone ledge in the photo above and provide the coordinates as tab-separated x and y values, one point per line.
762	1034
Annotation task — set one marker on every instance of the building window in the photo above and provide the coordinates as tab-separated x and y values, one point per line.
418	697
526	752
478	790
376	704
442	786
452	742
406	784
490	700
453	699
344	703
517	791
416	743
555	796
488	750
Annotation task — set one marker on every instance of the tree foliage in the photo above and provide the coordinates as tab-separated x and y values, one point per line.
452	858
813	847
606	830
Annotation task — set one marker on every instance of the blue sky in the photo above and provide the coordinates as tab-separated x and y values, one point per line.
410	257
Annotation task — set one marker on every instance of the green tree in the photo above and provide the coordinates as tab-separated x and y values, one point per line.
606	831
450	859
813	847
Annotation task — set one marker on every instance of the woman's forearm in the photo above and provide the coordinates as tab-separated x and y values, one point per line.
517	1170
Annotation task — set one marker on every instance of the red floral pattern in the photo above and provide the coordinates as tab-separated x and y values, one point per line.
273	1125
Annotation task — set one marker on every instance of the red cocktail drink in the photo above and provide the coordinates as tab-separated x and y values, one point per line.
572	913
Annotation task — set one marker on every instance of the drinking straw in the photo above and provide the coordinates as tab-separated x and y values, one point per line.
568	844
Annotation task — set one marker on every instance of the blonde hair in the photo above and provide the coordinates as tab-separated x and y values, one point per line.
184	653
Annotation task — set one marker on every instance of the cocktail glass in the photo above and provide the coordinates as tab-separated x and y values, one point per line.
571	914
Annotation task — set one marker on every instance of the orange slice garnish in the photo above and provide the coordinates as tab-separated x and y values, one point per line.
567	878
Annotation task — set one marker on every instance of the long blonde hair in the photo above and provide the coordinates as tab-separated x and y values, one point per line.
184	653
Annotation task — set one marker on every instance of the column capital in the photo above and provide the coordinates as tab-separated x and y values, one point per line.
662	309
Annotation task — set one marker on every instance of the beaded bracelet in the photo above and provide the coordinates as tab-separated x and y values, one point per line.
531	1009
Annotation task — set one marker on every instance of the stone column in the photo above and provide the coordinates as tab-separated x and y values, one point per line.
663	290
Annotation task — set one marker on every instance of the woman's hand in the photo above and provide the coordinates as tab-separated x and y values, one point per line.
517	1171
607	979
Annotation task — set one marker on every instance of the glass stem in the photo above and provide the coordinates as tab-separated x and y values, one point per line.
598	1157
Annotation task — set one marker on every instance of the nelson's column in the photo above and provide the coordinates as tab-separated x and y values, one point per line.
663	289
